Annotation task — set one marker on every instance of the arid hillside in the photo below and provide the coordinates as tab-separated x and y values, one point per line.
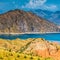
18	21
34	47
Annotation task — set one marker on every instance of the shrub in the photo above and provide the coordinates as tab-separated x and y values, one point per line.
31	57
25	56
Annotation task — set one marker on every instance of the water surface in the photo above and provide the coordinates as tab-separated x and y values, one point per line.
47	36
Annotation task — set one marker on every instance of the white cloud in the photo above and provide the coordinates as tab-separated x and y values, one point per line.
41	4
50	7
34	4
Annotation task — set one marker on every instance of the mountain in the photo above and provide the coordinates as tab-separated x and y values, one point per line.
18	21
42	13
55	17
58	26
48	15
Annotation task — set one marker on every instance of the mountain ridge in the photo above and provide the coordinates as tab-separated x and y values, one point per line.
49	15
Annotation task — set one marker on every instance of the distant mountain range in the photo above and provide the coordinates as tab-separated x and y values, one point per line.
48	15
18	21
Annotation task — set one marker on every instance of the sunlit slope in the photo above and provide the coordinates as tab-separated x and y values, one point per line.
8	55
38	47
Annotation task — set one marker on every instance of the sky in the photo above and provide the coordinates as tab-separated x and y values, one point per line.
7	5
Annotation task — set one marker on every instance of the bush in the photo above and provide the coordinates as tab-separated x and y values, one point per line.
31	57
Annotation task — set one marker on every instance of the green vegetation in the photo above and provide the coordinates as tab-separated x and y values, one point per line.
26	46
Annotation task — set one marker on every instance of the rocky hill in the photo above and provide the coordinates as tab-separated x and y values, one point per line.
32	46
41	47
18	21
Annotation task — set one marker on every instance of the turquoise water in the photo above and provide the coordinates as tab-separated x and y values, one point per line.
47	36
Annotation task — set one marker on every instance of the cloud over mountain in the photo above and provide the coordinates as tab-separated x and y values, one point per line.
51	7
40	4
34	3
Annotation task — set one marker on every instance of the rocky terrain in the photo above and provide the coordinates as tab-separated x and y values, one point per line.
34	47
18	21
58	26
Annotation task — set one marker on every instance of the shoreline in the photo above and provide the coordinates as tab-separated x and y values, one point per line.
31	33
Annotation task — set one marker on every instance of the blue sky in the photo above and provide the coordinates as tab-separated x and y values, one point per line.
51	5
